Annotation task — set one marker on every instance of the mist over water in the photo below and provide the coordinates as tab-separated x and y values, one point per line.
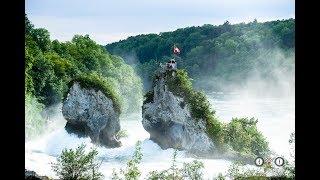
275	119
270	99
276	116
268	94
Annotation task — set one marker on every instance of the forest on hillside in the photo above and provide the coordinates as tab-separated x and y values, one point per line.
213	56
224	54
50	66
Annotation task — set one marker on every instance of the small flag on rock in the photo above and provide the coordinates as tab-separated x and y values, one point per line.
176	50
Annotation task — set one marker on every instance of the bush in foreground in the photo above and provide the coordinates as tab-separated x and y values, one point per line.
131	172
192	171
243	136
239	171
77	165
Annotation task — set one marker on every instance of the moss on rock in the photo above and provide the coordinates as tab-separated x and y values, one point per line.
179	83
240	131
96	82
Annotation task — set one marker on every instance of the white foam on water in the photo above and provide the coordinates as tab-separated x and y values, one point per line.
276	121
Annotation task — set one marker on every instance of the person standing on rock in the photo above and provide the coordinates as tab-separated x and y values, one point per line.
172	63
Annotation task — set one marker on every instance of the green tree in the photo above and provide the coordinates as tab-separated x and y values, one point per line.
28	25
49	87
131	172
227	52
42	37
51	66
192	170
29	60
243	136
77	164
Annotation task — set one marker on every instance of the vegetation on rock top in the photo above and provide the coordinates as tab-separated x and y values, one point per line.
50	67
96	82
181	85
241	134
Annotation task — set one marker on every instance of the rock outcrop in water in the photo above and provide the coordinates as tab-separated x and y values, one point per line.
90	113
168	120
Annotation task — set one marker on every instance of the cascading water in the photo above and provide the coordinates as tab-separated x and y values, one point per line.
276	121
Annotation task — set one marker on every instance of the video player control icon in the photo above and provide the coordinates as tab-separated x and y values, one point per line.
259	161
279	161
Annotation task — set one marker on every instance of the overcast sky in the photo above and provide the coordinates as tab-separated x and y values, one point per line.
111	20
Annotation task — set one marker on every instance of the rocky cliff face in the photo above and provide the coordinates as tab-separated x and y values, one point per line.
167	118
91	113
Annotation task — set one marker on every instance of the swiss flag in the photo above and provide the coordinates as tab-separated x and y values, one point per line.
176	50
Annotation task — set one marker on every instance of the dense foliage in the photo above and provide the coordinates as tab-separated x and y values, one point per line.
268	171
192	170
52	65
180	85
243	136
77	164
225	52
98	83
240	134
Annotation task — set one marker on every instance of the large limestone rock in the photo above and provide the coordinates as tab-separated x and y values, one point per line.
91	113
167	118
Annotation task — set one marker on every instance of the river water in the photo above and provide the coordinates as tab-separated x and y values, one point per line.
276	117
